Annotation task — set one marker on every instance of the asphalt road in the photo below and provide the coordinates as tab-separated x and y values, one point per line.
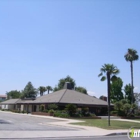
12	122
82	138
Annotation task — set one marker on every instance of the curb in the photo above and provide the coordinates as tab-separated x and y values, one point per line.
119	133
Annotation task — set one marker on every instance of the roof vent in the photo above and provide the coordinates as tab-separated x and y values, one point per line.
67	85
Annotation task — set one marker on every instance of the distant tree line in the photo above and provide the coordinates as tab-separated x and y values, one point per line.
30	92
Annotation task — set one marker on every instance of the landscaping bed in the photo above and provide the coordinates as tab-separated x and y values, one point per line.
41	113
94	117
63	116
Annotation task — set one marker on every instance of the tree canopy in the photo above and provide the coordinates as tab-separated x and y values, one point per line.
13	94
49	88
131	56
69	79
62	81
41	90
108	69
110	72
116	93
81	89
127	90
29	91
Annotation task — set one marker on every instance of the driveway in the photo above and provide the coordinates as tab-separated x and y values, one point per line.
20	126
17	122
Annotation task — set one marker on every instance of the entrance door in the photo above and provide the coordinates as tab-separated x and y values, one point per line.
34	108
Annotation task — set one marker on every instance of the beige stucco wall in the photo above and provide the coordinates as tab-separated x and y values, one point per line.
27	108
10	107
22	107
37	108
4	107
30	108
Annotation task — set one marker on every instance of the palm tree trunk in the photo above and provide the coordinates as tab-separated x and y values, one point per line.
108	85
48	91
131	65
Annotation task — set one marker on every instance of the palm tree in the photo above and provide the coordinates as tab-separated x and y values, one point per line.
110	71
41	90
49	88
131	56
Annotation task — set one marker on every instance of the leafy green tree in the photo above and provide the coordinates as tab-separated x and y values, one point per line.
55	89
124	101
41	90
104	98
29	91
131	56
13	94
81	89
124	108
116	90
128	93
63	81
118	105
110	72
49	88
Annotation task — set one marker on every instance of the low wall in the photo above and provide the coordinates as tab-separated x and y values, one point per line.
41	113
48	114
85	117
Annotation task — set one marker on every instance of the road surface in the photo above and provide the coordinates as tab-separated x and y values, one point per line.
82	138
16	122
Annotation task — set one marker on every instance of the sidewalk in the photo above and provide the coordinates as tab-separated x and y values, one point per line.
127	120
81	130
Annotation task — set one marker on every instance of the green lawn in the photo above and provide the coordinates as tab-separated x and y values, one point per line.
136	119
103	123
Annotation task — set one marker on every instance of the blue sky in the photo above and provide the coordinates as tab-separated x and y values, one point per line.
43	41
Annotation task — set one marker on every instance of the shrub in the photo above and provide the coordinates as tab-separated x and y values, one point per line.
85	111
137	112
18	111
65	115
93	115
42	107
78	113
62	114
134	106
15	111
118	105
52	106
57	113
46	111
71	109
51	111
121	113
126	108
23	111
114	112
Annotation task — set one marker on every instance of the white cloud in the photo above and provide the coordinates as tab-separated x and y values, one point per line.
91	93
